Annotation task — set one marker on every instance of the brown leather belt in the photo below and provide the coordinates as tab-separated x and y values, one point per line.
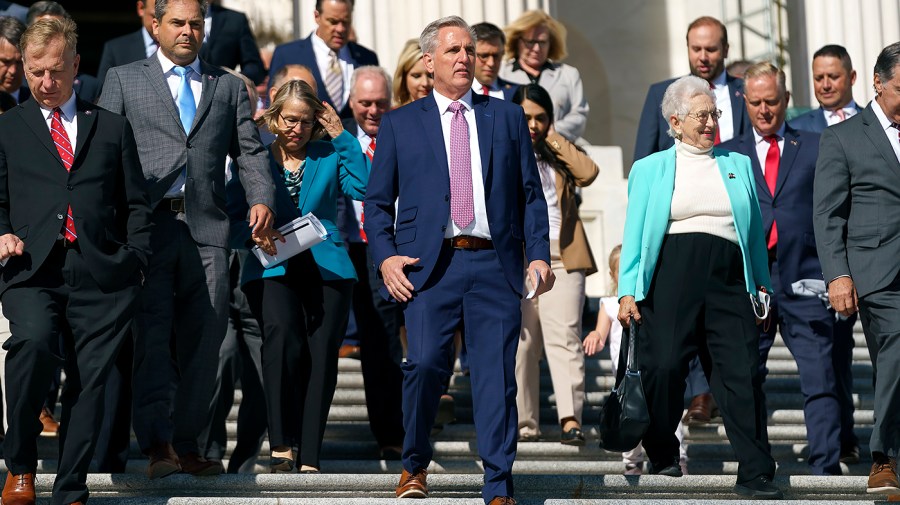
173	204
470	242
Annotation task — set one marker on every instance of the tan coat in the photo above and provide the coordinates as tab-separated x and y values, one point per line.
573	244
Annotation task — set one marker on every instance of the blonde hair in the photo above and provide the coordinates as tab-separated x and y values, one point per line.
614	268
766	69
44	30
531	19
301	91
410	55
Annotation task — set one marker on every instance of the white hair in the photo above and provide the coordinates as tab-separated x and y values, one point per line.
370	70
676	100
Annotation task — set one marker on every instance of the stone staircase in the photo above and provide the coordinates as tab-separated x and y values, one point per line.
546	471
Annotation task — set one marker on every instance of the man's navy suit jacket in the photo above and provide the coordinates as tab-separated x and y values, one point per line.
792	204
301	52
410	166
651	134
814	120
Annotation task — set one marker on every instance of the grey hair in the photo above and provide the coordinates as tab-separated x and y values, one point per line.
11	29
162	5
676	101
887	60
373	70
428	40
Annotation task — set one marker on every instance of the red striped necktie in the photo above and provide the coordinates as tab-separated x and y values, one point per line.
64	148
370	152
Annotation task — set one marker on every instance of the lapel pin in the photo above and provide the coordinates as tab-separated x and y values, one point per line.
209	77
730	175
87	112
793	142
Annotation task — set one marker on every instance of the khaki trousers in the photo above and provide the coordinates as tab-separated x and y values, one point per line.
552	325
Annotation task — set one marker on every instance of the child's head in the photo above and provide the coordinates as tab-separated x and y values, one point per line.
614	268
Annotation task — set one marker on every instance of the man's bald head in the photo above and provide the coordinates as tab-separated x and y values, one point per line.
289	73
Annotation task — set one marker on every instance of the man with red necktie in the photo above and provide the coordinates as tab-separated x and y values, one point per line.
784	162
74	241
377	320
489	44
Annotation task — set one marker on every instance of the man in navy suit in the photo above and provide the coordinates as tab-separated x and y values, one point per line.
470	210
833	78
707	43
489	44
11	71
133	46
784	164
328	53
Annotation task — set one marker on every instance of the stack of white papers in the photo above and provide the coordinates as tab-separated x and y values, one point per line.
300	234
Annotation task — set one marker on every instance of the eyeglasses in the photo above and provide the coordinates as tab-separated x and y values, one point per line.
290	124
704	115
531	42
485	57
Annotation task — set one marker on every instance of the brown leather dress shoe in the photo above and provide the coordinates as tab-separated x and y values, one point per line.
883	477
503	500
163	461
700	411
349	351
198	466
51	427
413	485
18	490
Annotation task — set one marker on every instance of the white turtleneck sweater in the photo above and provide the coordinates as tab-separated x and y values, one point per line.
700	203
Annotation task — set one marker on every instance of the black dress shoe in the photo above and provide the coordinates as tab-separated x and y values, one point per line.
850	455
281	465
760	488
672	470
572	437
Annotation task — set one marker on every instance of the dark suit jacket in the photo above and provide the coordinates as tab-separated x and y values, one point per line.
857	203
410	166
792	204
508	88
105	188
301	52
87	87
121	51
651	134
231	43
813	121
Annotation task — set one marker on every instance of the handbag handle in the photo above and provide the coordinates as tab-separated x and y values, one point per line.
632	363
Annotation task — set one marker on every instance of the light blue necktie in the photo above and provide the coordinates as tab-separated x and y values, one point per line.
185	101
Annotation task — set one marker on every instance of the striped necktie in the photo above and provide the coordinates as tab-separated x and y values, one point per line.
64	148
370	153
334	82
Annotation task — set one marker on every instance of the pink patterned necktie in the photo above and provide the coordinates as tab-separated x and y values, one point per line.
64	148
462	206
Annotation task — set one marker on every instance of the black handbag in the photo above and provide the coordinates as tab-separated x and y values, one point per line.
624	418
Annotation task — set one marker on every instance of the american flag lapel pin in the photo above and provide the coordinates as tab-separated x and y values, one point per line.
793	142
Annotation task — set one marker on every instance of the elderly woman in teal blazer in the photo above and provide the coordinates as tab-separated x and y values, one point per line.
693	254
302	304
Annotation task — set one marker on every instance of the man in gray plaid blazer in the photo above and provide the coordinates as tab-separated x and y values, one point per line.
187	117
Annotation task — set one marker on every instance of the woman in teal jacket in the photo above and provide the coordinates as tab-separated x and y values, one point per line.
693	255
302	304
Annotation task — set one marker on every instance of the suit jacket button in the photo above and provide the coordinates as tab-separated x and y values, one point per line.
69	187
444	228
59	216
446	198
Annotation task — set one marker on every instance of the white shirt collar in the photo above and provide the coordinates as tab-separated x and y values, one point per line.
68	109
879	113
850	109
167	64
759	138
361	134
443	102
149	44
